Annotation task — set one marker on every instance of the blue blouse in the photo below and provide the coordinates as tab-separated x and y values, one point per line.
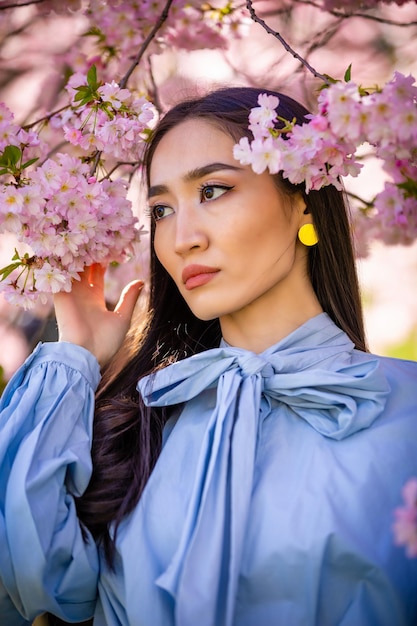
271	503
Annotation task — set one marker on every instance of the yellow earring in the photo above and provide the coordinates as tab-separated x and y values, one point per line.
307	235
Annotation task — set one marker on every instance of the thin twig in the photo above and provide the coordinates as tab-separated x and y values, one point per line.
20	29
287	47
96	160
154	88
146	43
369	204
115	167
46	118
366	16
323	38
52	151
16	5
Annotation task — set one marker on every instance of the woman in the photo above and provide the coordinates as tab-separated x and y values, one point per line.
256	482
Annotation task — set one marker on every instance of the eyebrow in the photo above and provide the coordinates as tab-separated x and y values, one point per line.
195	174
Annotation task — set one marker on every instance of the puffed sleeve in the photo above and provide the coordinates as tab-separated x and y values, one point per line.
46	415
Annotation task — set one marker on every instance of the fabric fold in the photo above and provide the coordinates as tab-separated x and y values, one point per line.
46	417
333	387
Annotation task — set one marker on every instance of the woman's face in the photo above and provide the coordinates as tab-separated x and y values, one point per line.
226	235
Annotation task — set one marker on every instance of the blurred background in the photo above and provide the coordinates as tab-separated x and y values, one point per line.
42	43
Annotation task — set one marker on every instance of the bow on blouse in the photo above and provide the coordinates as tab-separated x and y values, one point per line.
318	375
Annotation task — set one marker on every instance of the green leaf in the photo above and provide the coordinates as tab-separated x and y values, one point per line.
30	162
348	74
329	81
83	96
409	187
83	89
94	31
13	153
3	381
86	100
17	256
11	156
6	271
92	77
363	92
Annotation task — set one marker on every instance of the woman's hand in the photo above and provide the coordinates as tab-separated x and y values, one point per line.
84	319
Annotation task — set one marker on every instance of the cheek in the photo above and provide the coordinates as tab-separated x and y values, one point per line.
262	234
162	250
159	247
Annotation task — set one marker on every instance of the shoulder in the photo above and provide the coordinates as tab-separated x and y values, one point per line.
395	430
397	372
399	368
401	375
57	363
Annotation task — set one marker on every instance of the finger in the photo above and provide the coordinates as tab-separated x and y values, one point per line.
96	275
83	282
128	299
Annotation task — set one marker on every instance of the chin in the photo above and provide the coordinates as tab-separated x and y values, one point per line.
205	317
205	314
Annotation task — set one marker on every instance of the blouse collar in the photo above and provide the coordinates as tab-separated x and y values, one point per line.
315	371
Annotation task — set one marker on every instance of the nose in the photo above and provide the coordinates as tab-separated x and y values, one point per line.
190	232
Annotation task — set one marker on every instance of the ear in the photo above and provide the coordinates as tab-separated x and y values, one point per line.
307	233
302	210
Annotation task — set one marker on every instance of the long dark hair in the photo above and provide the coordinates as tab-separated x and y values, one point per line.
127	435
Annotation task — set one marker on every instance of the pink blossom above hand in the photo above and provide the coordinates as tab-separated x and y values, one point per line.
67	220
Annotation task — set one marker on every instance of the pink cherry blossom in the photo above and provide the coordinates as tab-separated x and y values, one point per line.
264	116
73	135
68	219
242	151
68	212
324	149
111	92
50	279
265	156
405	524
343	110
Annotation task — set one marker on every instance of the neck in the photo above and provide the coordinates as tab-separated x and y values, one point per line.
269	319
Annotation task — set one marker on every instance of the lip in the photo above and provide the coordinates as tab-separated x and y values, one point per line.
196	275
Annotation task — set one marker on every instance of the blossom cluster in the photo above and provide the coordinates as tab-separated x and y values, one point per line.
324	148
27	142
63	215
405	524
66	217
205	25
105	117
67	220
105	125
123	26
61	211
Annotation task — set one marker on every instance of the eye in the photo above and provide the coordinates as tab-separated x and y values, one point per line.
159	211
212	192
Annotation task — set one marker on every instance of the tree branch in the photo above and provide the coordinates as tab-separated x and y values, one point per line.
367	16
368	204
287	47
16	5
95	160
146	43
115	167
46	118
